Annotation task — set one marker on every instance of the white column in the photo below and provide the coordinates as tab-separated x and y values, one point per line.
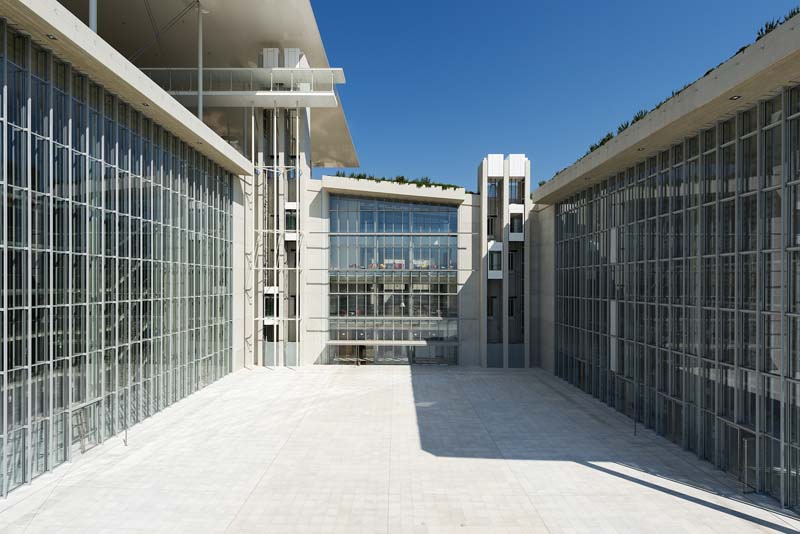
93	15
505	217
527	243
199	60
483	185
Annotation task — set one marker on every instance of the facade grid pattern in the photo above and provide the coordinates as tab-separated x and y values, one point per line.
115	254
393	281
678	293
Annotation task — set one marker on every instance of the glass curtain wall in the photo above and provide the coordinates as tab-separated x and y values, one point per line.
116	265
677	294
393	281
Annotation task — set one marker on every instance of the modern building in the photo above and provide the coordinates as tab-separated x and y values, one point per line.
673	253
163	228
505	202
117	248
132	240
395	261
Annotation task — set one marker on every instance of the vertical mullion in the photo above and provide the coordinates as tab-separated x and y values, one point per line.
760	229
700	236
158	139
717	246
70	255
136	146
785	259
87	304
101	363
166	235
4	416
29	276
130	260
656	309
685	193
738	378
51	230
117	279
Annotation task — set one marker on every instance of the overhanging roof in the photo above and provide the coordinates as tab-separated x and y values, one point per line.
50	24
386	189
234	32
758	72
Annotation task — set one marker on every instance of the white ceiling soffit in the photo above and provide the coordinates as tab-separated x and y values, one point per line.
48	22
234	32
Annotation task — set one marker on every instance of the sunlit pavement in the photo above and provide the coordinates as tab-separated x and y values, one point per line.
389	449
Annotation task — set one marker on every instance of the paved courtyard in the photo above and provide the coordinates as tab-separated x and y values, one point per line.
388	449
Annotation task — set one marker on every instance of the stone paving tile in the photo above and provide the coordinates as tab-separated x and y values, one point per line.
389	450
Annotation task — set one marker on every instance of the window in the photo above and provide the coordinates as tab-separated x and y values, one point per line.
495	261
490	225
269	306
773	167
516	192
490	304
291	220
393	266
140	233
516	223
512	303
512	259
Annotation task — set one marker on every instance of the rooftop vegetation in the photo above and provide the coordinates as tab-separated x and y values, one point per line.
768	27
419	182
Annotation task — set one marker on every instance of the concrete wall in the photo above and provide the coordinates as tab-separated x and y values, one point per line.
242	311
314	293
502	329
316	257
469	262
542	273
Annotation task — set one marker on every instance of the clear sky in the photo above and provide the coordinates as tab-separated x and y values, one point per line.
434	85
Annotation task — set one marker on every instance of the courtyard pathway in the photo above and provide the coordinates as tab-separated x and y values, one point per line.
385	450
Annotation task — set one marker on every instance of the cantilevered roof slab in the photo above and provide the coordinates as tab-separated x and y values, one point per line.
163	34
50	23
757	72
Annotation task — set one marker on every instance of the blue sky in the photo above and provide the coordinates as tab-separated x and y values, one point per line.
433	85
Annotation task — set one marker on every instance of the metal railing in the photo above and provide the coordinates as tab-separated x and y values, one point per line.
177	80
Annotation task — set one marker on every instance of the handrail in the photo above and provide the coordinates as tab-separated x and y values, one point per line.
248	79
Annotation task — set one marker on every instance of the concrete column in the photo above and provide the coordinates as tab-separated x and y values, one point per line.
505	220
483	272
93	15
527	227
199	61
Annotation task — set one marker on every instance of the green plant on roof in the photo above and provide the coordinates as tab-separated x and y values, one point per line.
767	28
642	113
419	182
606	138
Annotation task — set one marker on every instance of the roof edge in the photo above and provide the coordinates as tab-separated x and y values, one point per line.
777	53
388	189
89	53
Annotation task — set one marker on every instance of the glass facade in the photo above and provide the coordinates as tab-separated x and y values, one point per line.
677	299
393	281
116	264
